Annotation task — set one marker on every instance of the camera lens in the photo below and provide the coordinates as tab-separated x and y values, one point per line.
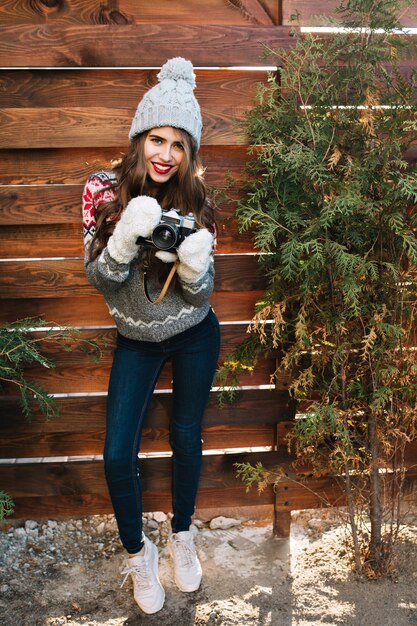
164	236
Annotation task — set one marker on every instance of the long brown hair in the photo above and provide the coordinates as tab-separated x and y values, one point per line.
186	192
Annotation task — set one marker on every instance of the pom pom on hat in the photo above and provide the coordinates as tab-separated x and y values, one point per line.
176	69
171	102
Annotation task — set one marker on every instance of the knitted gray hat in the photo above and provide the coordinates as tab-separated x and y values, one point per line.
171	102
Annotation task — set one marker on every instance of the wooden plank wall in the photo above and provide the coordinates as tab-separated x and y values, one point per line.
73	73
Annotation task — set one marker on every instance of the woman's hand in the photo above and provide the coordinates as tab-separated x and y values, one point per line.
138	219
194	254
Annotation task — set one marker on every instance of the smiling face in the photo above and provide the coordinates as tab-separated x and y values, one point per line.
163	152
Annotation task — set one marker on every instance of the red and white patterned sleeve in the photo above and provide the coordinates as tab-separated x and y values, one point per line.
98	189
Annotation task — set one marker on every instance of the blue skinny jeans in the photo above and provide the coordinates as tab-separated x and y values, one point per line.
135	371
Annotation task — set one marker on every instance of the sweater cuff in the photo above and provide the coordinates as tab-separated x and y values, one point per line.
109	268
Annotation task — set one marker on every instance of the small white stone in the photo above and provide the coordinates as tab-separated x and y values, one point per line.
151	523
198	523
52	523
30	524
100	528
223	523
160	517
19	533
112	524
316	524
4	588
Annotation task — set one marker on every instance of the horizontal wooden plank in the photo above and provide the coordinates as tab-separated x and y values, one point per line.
251	406
311	493
35	205
52	241
87	477
61	489
65	240
322	12
221	93
57	312
77	372
308	493
94	126
218	91
139	12
207	45
74	506
303	13
91	442
41	204
323	492
52	279
73	166
82	375
248	422
41	241
231	306
99	504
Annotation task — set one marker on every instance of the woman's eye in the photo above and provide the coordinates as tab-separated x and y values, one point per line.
179	146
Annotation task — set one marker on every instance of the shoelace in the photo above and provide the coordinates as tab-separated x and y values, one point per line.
184	552
140	572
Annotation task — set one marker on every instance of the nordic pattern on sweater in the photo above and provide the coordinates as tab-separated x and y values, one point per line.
122	284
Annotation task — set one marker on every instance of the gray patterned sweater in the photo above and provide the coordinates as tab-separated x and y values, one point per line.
122	284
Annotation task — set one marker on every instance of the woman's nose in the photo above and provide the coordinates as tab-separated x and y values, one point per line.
166	153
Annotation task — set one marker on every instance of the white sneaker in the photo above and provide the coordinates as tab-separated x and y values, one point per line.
187	568
147	589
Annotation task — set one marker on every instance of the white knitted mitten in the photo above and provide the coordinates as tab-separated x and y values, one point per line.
139	218
194	254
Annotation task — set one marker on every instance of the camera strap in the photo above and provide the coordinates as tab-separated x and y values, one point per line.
164	288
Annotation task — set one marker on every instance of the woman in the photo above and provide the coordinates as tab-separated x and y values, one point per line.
121	210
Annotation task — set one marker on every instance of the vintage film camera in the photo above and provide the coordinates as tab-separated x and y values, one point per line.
171	231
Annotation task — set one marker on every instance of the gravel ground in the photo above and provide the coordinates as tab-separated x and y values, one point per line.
56	573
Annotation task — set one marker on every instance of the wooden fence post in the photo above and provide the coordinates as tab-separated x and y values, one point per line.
281	523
